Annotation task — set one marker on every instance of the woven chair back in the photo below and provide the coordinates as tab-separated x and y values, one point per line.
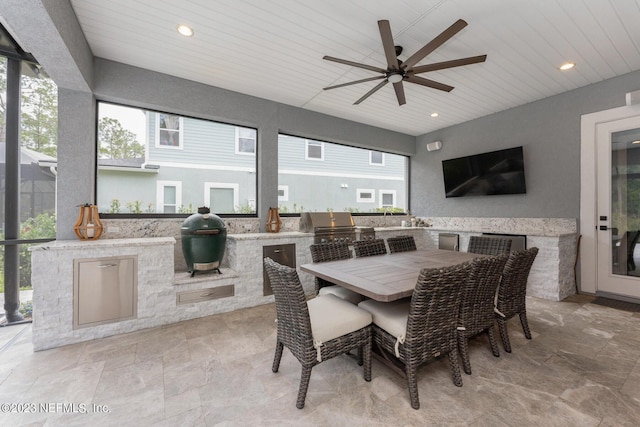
294	324
478	294
513	284
332	251
489	245
431	326
401	244
364	248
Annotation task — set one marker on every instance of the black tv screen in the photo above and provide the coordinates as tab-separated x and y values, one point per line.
496	172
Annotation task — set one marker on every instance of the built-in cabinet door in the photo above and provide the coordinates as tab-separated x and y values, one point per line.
618	207
104	290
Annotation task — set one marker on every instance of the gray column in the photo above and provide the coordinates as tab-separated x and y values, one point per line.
12	194
76	158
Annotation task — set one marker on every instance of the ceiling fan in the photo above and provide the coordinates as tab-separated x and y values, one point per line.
398	71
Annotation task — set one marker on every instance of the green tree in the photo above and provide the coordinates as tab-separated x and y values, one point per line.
42	226
116	142
39	115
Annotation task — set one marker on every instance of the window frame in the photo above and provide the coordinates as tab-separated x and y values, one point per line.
360	199
255	142
291	168
285	190
311	142
381	194
151	112
371	162
160	202
158	130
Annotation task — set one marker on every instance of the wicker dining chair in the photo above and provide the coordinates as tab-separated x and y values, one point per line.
315	330
422	328
512	292
477	303
371	247
489	245
332	251
401	244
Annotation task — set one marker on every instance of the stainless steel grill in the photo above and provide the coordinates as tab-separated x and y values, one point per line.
333	227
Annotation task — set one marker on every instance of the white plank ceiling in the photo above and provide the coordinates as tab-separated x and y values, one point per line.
273	50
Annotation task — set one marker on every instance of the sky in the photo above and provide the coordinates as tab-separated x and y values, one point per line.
132	119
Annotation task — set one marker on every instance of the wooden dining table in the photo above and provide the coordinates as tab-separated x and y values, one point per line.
385	277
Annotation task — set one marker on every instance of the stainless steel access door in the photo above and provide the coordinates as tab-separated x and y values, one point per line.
104	290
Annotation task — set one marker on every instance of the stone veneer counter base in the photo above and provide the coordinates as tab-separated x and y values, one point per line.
159	282
552	276
52	279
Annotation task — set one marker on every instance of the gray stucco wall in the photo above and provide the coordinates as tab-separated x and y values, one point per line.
548	129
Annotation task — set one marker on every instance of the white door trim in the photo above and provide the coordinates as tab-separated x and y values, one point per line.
588	195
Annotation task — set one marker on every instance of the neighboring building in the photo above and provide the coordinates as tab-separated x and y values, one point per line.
350	179
191	162
37	184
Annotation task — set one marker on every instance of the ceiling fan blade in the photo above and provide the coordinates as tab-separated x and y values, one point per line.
388	45
354	82
447	64
400	93
354	64
435	43
371	92
429	83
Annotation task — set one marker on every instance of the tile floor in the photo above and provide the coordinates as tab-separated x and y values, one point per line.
582	368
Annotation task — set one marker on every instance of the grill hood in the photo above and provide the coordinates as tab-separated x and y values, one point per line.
310	222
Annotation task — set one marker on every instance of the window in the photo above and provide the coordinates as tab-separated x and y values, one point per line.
283	193
222	197
168	196
343	181
315	150
169	131
387	199
366	196
376	158
133	167
245	141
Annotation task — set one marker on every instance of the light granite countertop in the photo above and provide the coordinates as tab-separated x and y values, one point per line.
537	233
105	243
266	236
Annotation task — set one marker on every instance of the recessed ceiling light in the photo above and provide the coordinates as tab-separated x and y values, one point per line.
434	114
635	142
567	66
185	30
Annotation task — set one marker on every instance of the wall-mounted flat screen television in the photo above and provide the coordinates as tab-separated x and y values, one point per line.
496	172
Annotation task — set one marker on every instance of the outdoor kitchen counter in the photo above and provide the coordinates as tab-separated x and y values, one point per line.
266	236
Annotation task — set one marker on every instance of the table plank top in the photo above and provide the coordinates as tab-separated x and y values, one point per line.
385	277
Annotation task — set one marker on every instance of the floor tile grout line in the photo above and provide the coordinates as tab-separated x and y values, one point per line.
15	337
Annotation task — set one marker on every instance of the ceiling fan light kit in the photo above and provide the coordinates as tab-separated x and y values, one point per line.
398	71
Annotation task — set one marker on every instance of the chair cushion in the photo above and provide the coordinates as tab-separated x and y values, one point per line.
332	317
390	316
342	293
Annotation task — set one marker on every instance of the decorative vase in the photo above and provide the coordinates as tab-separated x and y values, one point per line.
273	221
88	225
